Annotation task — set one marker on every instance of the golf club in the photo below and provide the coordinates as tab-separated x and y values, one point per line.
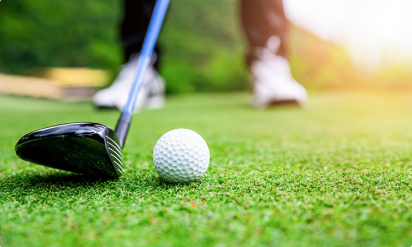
91	148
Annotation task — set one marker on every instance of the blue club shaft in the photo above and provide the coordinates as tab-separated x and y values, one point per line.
143	62
146	52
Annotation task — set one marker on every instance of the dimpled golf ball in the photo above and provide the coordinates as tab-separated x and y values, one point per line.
180	156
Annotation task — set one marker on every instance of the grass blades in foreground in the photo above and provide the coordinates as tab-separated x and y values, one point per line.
336	173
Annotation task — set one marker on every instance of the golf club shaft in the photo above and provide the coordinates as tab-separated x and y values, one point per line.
145	56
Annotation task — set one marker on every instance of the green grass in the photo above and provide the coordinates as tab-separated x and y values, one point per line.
336	173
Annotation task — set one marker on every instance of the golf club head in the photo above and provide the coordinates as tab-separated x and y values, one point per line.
87	148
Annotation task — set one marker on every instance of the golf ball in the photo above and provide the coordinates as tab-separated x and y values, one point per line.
181	155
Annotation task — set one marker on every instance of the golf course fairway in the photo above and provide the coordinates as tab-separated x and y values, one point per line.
337	172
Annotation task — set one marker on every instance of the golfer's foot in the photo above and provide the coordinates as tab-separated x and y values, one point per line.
151	94
272	80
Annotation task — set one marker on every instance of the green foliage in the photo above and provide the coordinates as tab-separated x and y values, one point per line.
58	33
201	40
336	173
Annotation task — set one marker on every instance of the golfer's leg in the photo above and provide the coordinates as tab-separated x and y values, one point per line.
137	14
265	26
262	19
136	18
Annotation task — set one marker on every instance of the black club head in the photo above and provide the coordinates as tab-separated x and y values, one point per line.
88	148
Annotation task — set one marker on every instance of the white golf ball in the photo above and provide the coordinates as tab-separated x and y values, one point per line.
181	155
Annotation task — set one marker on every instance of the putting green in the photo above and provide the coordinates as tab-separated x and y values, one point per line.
336	173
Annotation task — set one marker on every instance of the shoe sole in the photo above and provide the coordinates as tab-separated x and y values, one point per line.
292	102
100	107
284	102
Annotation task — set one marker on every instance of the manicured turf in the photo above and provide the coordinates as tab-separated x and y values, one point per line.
337	173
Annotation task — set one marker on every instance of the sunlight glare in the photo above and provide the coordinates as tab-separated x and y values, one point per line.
374	32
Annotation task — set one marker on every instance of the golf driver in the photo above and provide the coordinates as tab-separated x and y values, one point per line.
91	148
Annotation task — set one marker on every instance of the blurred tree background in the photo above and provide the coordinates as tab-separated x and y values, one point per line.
201	40
203	46
58	34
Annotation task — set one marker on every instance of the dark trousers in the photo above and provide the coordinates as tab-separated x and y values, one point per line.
261	19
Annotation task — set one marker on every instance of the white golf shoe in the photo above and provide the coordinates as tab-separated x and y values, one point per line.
151	94
272	79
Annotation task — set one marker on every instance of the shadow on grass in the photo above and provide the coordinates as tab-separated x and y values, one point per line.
57	178
61	180
24	182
